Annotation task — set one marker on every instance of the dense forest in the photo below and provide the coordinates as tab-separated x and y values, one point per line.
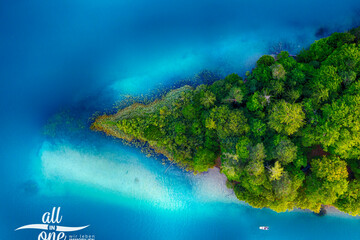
287	135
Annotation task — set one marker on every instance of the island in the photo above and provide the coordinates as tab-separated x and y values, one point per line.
286	136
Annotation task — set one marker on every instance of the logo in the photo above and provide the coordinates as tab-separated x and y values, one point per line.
51	228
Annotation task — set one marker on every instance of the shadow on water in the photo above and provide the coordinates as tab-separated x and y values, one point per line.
30	187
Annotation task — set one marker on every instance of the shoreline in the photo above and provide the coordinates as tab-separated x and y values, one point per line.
97	125
330	210
258	131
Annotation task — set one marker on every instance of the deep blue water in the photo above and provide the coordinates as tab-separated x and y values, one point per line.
61	61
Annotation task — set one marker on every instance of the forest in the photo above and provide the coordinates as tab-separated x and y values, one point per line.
287	135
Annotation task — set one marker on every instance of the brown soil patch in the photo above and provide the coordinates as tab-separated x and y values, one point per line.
317	151
218	162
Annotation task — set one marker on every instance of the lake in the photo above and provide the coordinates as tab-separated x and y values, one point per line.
63	61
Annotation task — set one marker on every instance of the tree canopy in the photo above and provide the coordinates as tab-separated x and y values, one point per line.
288	136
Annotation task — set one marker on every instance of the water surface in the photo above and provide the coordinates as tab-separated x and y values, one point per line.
62	61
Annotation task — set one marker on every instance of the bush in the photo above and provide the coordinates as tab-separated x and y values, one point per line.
203	160
266	60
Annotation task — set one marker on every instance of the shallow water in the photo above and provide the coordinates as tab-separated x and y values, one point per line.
63	61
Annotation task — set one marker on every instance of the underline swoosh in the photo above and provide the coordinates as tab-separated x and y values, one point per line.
58	228
34	226
69	229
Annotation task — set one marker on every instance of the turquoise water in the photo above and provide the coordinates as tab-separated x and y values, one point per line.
62	61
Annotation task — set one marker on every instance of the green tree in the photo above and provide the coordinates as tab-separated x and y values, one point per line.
286	118
278	71
348	77
276	171
242	147
210	123
286	151
229	122
258	152
350	201
208	99
266	60
345	58
286	61
330	168
255	167
254	104
328	78
203	160
300	112
293	95
328	180
277	87
152	133
235	95
258	127
318	51
339	39
233	79
189	112
231	170
338	130
297	77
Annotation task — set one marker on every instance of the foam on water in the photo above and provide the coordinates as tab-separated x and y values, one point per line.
108	171
120	173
